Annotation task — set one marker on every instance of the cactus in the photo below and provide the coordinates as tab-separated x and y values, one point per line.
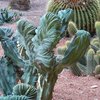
8	16
75	70
45	40
97	26
97	70
41	46
14	98
85	12
25	90
61	50
97	57
90	61
72	29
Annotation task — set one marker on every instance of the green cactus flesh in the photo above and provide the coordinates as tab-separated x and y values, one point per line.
90	61
97	70
72	29
85	13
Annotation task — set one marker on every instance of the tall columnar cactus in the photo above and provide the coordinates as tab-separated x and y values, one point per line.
86	12
72	29
97	71
97	26
91	64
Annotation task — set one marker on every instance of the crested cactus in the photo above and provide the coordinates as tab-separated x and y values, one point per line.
46	38
25	90
85	12
14	98
41	47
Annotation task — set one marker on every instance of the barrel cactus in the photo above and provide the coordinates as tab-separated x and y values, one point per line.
86	12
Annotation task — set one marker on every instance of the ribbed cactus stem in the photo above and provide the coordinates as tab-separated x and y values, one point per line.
72	29
97	26
61	50
90	61
46	86
85	12
75	70
97	70
97	57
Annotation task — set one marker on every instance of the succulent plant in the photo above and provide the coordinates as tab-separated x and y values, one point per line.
97	26
25	90
40	47
97	70
61	50
85	12
90	61
72	29
8	16
14	98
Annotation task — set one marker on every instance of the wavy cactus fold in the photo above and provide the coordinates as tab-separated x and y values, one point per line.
26	90
14	98
40	44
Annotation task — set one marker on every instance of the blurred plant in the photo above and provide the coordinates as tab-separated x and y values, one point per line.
8	16
85	12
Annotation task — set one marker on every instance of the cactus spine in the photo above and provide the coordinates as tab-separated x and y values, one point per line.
85	12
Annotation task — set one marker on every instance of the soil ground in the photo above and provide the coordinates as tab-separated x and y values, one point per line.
68	86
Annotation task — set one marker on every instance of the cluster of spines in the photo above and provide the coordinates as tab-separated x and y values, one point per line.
84	16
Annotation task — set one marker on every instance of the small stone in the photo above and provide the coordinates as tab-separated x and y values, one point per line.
94	86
